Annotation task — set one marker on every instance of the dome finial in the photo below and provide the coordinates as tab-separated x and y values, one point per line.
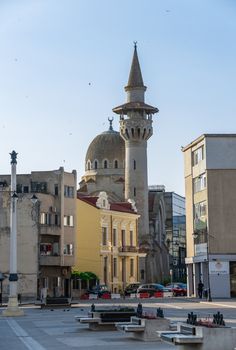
135	45
110	121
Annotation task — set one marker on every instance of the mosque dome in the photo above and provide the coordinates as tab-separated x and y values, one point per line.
106	151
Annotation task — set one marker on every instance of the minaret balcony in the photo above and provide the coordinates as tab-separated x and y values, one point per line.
138	130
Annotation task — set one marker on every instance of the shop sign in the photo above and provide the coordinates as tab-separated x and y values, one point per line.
219	267
200	249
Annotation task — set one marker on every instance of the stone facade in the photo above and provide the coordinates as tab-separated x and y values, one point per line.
45	231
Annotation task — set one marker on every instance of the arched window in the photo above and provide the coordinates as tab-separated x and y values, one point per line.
134	164
95	164
89	165
116	164
105	164
134	191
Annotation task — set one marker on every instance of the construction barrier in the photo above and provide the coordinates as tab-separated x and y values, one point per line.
115	296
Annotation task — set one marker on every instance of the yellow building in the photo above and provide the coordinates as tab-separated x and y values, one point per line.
107	240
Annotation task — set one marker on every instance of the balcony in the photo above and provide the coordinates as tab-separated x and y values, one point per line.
128	250
50	230
49	260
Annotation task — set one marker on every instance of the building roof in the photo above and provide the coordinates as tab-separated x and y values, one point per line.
200	138
124	207
107	145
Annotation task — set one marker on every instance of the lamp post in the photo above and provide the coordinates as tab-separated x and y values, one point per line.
13	307
195	236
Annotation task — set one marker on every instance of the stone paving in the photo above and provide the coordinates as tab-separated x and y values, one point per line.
58	329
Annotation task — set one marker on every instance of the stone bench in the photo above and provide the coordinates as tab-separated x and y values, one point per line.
188	337
57	302
106	319
143	328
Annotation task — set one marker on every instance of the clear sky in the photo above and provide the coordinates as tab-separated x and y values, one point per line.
64	64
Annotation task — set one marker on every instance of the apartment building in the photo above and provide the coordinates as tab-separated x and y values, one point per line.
45	232
210	178
107	240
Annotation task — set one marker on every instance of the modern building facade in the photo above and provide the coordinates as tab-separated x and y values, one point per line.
45	232
159	271
108	244
176	235
210	177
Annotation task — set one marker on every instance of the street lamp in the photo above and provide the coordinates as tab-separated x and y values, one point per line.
196	234
13	307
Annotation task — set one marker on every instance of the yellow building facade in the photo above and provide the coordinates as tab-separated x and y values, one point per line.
107	241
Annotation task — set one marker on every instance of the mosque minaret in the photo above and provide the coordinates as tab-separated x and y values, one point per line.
136	129
117	163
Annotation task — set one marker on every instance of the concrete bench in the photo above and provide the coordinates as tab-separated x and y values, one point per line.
188	337
143	328
57	302
106	319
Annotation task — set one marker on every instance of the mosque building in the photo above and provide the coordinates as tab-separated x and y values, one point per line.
116	162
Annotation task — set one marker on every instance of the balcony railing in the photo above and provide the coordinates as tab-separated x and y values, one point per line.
50	260
128	249
50	230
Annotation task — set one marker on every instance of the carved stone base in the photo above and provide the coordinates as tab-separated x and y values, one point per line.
13	308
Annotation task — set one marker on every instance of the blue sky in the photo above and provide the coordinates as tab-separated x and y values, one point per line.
64	65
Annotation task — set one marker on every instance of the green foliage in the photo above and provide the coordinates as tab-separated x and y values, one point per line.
85	276
166	281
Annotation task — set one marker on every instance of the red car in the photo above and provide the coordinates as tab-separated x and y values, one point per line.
178	289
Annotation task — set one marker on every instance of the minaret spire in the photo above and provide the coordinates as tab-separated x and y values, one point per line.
135	75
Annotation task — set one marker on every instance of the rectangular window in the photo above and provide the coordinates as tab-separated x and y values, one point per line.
114	267
69	191
114	237
131	267
198	155
123	238
45	249
56	220
19	188
69	220
55	249
56	189
131	238
104	235
45	219
199	210
199	183
39	187
68	249
26	189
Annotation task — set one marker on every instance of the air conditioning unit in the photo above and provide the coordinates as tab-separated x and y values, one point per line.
53	209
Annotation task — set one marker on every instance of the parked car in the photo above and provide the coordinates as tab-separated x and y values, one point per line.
100	290
152	288
178	288
132	288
